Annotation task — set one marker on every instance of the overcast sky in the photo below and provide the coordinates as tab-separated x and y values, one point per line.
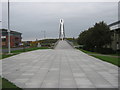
31	18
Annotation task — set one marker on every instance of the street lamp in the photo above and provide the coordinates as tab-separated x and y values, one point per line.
9	51
44	34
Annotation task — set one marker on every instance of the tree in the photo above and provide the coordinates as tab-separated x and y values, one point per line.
81	39
95	37
101	34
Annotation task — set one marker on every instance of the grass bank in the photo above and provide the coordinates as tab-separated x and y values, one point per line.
114	58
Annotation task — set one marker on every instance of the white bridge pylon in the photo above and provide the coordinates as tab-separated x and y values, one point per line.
62	30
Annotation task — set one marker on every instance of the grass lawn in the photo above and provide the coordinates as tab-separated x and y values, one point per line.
88	52
113	60
6	85
21	51
108	58
28	49
5	56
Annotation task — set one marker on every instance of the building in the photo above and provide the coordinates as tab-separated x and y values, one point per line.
115	30
15	38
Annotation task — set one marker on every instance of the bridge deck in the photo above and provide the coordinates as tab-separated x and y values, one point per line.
63	45
63	67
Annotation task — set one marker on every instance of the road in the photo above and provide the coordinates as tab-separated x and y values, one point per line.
62	67
12	49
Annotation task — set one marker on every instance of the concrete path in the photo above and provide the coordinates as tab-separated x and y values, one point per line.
63	67
63	45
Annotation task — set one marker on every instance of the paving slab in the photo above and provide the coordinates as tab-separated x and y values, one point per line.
62	67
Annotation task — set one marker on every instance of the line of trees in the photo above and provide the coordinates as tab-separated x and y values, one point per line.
96	38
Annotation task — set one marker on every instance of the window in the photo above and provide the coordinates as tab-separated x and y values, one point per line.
3	39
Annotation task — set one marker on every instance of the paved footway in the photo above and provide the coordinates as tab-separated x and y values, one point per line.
63	67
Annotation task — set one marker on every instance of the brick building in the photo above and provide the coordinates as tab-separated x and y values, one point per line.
15	38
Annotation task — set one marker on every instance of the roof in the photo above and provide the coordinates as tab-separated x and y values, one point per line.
117	30
114	23
10	30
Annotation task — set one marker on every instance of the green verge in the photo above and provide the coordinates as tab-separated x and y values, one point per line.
7	85
88	52
21	51
113	59
28	49
5	56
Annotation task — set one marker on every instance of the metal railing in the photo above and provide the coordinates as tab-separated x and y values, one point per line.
70	43
55	44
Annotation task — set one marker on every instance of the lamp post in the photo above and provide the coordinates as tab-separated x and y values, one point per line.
9	50
44	34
